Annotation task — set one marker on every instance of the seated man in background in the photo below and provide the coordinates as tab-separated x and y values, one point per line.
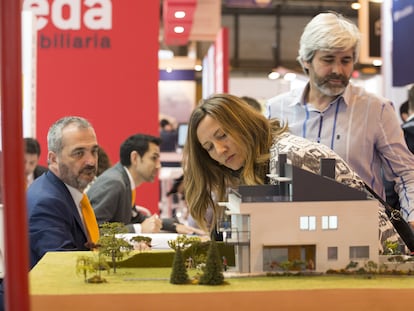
59	219
112	195
32	169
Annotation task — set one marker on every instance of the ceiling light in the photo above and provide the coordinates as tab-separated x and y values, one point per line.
178	29
179	14
356	5
273	75
263	2
165	54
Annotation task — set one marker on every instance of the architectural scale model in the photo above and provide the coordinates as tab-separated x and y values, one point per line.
306	218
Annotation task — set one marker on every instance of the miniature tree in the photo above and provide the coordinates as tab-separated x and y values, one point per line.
111	246
286	266
143	242
371	267
383	268
397	260
179	272
197	252
183	242
213	272
351	266
192	247
85	265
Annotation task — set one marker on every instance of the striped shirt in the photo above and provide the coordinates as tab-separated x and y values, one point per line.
360	127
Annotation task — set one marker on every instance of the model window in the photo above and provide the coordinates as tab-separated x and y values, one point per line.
358	252
273	256
332	253
307	223
329	222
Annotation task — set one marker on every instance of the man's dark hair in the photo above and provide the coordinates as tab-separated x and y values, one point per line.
164	122
404	108
32	146
138	143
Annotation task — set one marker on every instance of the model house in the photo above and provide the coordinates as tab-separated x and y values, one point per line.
307	218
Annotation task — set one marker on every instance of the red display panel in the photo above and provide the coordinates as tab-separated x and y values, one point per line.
98	59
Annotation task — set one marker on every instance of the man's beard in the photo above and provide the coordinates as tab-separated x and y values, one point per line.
77	181
326	88
150	178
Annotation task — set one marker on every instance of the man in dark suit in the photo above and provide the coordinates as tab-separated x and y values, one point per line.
32	169
56	220
111	194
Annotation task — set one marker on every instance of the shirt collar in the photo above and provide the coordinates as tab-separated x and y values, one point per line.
411	117
29	179
131	180
299	97
75	193
347	94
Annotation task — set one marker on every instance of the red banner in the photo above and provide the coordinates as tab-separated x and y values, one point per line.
98	59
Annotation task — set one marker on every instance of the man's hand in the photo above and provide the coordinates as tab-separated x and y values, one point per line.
151	225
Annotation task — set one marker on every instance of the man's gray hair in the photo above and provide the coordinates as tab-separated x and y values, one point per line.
328	32
54	135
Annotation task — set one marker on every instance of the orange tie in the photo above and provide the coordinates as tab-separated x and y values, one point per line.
133	194
89	219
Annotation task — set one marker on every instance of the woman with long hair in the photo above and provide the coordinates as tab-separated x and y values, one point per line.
229	143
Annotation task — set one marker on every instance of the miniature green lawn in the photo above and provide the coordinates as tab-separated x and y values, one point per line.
56	275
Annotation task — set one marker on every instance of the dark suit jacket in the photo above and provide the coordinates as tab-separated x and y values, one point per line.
39	170
110	196
54	220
